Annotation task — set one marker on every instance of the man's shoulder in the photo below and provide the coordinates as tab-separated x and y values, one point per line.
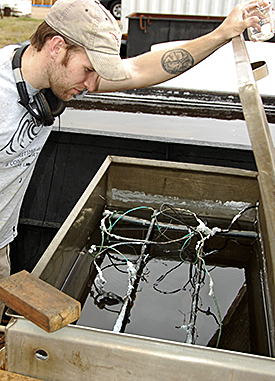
6	53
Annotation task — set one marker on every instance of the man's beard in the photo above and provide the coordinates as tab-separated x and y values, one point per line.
58	81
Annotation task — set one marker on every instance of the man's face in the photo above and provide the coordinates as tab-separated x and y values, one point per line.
73	77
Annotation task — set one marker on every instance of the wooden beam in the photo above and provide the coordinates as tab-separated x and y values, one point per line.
38	301
8	376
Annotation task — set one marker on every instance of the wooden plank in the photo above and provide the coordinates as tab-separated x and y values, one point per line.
8	376
38	301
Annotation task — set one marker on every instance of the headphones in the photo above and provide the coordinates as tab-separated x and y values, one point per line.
45	105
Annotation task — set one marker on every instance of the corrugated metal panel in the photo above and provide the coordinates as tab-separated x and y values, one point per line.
180	7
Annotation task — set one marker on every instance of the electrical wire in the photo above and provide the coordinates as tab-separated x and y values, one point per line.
112	242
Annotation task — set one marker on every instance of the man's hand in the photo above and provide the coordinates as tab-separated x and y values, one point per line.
237	21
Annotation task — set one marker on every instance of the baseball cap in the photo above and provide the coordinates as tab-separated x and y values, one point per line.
89	24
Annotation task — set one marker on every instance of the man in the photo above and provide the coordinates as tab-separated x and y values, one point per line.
75	49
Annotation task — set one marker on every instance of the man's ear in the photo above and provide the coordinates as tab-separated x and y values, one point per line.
56	43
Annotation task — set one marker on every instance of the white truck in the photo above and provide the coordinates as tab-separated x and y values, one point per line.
16	7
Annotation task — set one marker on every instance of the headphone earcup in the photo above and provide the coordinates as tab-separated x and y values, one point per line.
56	105
60	107
48	106
43	109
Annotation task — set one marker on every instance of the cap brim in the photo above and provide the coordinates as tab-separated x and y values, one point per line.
108	66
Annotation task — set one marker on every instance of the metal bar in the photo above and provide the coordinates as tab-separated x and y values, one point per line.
141	263
191	328
74	353
183	228
264	154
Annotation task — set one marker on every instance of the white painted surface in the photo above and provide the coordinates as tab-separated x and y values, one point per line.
180	129
218	72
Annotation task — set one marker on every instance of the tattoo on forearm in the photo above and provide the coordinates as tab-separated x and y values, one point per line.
177	61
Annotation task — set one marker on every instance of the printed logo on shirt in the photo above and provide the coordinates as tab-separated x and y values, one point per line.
17	146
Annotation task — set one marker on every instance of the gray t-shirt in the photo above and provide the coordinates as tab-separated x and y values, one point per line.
21	141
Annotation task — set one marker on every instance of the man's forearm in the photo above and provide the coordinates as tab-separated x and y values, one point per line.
167	63
162	65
